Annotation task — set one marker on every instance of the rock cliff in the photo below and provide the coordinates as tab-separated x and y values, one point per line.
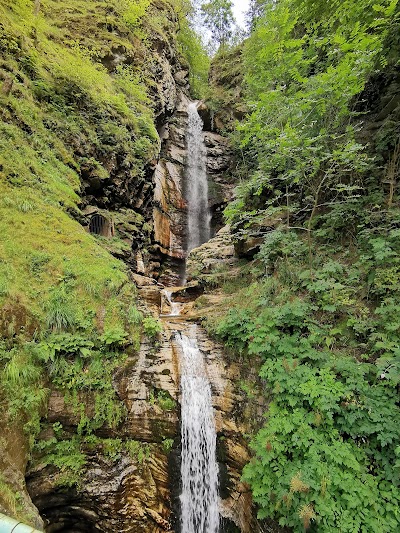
117	168
170	207
139	492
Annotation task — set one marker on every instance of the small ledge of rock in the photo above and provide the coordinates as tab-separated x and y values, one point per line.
217	253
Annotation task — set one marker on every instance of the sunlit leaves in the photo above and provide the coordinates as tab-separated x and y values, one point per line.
305	63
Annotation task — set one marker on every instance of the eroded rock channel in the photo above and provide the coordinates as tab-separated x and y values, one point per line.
140	491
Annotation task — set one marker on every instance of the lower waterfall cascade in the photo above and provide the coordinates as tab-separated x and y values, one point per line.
199	468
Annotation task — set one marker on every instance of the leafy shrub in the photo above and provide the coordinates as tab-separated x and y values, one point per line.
151	327
68	456
137	450
163	400
168	444
114	338
326	457
112	448
281	244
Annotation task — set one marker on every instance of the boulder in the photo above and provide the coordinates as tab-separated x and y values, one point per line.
216	254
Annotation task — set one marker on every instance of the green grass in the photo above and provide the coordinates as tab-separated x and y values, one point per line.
67	111
52	260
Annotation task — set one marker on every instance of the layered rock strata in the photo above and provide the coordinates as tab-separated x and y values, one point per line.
140	494
170	205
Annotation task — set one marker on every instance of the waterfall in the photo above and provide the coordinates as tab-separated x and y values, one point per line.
175	307
196	186
199	468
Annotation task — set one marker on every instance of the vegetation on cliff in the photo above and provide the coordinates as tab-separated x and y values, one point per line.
315	91
318	165
77	113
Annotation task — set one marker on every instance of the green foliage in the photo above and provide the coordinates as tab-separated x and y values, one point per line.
152	327
112	448
70	455
23	393
248	388
68	115
280	244
114	338
135	317
13	500
163	400
133	11
304	67
67	455
218	18
168	444
326	457
80	366
8	497
315	411
319	311
60	311
193	51
137	450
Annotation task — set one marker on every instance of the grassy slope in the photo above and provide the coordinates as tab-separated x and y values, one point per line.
66	305
60	106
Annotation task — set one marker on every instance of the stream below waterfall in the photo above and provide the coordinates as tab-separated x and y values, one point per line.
199	468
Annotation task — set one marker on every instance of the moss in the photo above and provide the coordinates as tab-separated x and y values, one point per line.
74	108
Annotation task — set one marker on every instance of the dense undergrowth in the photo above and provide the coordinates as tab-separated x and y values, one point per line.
318	164
328	455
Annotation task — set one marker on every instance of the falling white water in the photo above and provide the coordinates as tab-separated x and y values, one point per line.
196	186
199	468
175	307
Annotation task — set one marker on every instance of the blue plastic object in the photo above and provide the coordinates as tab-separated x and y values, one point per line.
10	525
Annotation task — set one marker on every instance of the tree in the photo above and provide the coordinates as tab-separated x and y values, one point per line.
255	12
219	19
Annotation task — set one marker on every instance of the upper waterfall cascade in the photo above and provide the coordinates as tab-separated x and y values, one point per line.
199	218
199	468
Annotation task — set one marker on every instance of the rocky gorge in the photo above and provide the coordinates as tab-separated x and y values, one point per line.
130	477
141	493
199	267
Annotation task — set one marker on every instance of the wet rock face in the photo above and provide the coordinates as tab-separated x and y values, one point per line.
125	495
121	492
220	162
215	255
134	493
159	370
248	235
170	206
13	461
